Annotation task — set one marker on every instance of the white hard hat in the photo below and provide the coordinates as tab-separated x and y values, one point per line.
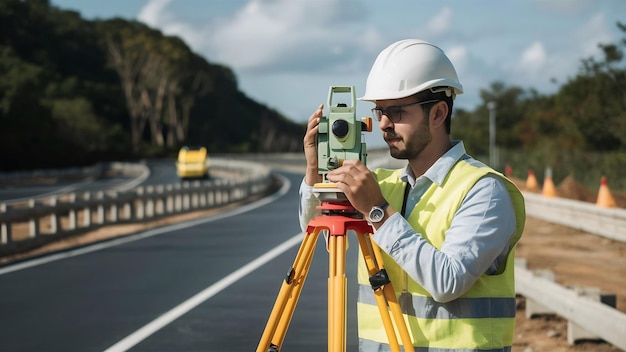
408	67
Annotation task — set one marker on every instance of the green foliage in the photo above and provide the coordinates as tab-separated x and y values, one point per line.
76	92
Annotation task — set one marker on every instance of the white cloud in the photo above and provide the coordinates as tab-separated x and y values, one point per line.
153	12
533	59
279	35
287	35
157	14
441	22
540	63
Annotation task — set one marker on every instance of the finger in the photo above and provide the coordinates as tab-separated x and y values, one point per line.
313	127
313	123
343	188
340	176
349	168
355	163
317	114
314	119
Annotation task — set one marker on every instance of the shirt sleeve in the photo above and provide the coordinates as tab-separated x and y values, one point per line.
476	243
308	205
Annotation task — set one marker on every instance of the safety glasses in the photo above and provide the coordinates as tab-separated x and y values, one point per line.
394	113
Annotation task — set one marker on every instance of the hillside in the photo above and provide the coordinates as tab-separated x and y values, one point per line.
75	92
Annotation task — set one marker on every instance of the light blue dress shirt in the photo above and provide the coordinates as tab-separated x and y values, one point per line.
476	243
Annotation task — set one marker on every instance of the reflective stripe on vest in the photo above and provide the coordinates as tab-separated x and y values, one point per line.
371	346
461	308
484	317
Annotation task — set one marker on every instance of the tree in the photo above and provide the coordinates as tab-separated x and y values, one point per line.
596	98
161	79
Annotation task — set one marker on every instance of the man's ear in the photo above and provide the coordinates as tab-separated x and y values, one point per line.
438	114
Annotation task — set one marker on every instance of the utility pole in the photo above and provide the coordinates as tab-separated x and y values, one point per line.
493	162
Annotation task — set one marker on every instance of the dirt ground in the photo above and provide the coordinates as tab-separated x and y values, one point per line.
577	259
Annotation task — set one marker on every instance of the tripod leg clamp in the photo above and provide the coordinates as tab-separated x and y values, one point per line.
379	279
290	275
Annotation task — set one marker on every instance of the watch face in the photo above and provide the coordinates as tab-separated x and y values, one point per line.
376	214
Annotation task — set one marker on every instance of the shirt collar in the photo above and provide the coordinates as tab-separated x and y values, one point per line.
438	171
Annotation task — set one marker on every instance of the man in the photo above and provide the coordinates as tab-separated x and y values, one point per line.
449	223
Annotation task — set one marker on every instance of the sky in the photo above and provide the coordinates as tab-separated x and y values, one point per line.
287	53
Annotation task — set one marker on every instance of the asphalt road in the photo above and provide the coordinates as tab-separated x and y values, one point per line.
203	285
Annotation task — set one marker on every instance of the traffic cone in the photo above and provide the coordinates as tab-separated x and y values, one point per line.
508	171
531	182
605	198
548	185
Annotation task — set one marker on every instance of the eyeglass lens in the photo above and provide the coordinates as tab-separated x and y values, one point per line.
394	113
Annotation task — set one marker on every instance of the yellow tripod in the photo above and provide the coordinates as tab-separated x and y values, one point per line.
338	217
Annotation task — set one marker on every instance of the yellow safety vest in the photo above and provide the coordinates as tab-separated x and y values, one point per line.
483	318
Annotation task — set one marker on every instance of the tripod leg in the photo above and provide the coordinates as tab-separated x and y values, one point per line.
385	297
282	312
394	306
337	287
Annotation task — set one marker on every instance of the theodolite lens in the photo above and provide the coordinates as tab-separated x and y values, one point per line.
340	128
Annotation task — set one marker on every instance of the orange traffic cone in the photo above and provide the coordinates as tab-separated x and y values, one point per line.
508	171
605	198
531	182
548	185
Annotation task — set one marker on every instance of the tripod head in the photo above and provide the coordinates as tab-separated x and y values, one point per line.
334	201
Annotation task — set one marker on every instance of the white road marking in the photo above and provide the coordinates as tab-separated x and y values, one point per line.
176	312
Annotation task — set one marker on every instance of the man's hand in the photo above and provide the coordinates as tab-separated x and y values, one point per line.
312	176
358	184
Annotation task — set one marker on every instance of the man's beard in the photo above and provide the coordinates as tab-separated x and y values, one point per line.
415	146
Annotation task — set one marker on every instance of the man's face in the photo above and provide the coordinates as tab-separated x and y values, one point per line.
409	135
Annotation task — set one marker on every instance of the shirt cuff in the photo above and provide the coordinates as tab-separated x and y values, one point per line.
308	205
390	231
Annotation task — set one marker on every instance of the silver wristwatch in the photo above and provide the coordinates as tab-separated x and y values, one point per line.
377	213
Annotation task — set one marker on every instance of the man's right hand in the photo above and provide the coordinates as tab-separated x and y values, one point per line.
312	176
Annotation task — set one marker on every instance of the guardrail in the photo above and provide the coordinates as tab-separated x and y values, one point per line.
588	318
40	221
606	222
